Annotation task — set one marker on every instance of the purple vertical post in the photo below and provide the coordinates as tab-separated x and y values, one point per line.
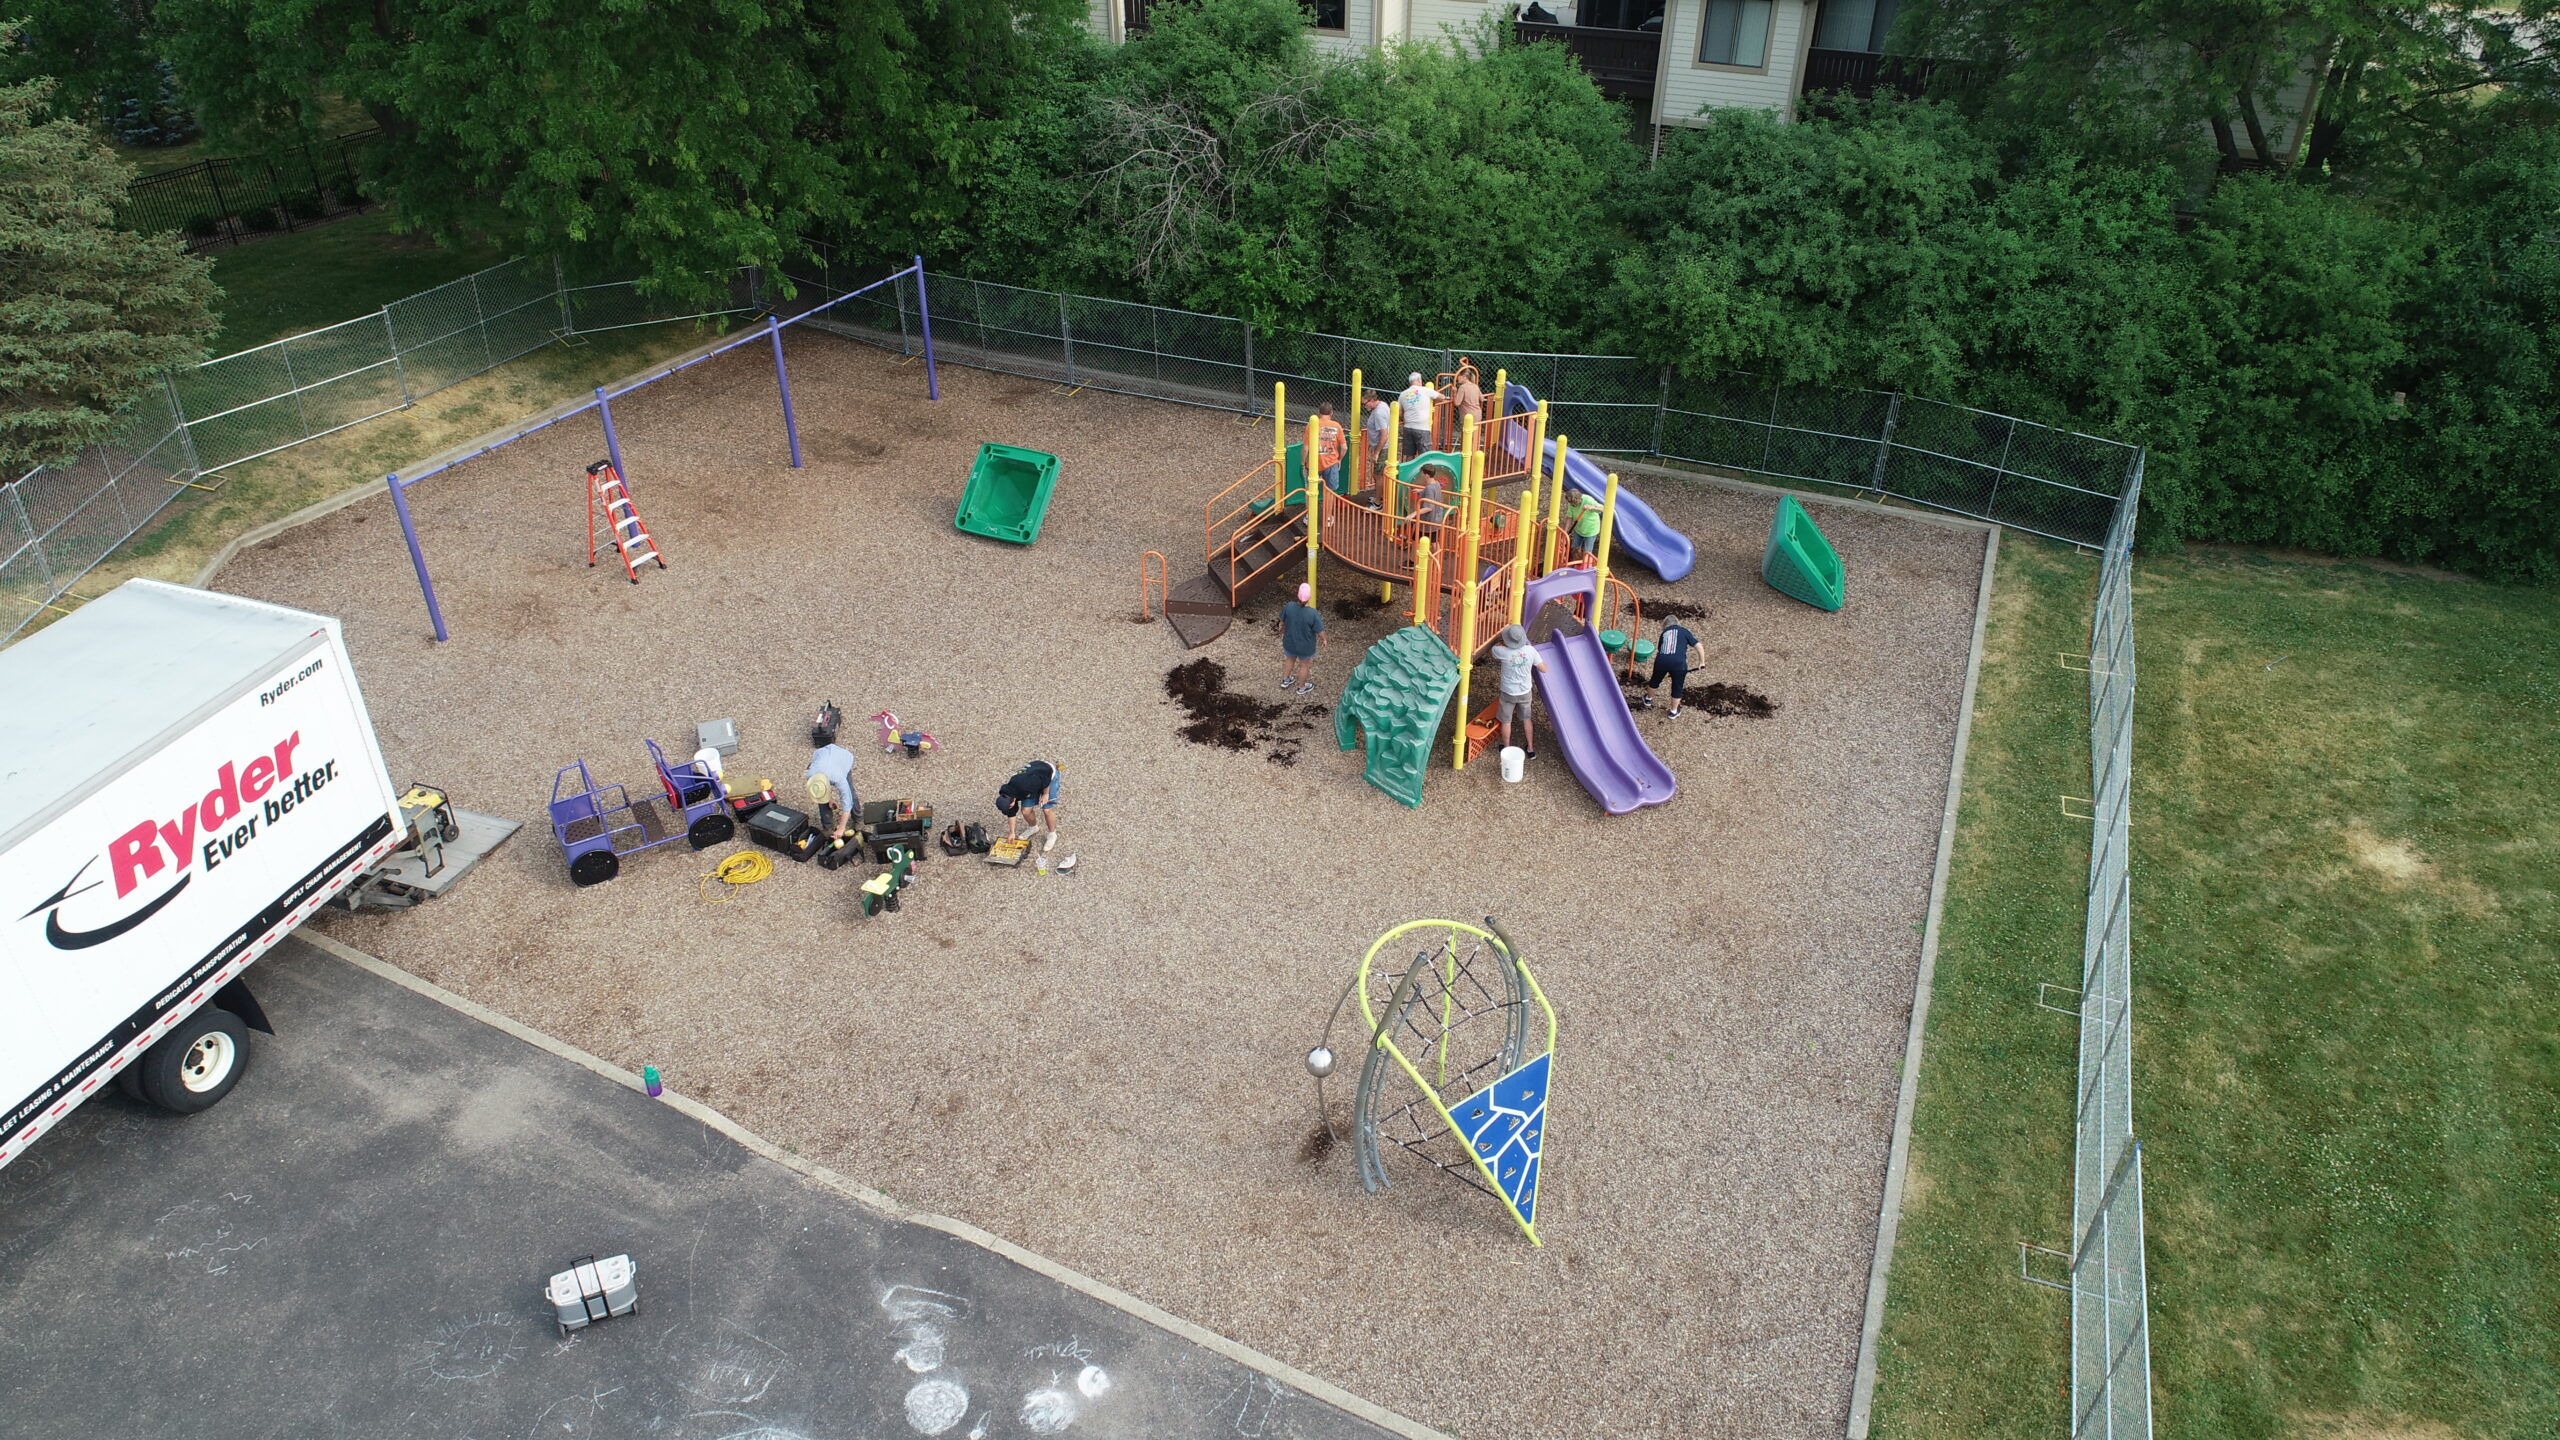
417	555
924	317
782	375
612	445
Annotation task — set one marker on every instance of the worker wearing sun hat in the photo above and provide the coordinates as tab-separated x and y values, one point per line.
1301	633
1513	652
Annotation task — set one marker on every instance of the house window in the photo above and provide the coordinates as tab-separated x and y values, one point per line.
1737	33
1326	14
1854	25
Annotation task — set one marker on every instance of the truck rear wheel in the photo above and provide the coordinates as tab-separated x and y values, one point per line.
195	1065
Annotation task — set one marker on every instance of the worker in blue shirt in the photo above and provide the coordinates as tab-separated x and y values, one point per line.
1670	662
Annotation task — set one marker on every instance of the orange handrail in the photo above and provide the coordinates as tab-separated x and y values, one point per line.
1154	583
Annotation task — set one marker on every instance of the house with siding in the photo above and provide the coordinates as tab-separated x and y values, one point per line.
1669	59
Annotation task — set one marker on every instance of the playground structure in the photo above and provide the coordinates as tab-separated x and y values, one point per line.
1008	493
1470	562
597	825
770	331
1458	1060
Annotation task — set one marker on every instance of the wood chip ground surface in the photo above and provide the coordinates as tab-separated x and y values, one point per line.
1105	1066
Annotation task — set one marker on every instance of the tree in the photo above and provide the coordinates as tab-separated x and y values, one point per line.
95	51
680	137
90	316
2376	88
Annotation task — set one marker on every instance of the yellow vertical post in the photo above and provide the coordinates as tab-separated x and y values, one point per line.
1279	444
1555	504
1421	580
1520	576
1529	537
1470	464
1315	501
1387	493
1608	526
1501	378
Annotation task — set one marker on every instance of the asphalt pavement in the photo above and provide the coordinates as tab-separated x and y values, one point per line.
354	1243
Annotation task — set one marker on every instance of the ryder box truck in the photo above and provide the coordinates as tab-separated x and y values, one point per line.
184	777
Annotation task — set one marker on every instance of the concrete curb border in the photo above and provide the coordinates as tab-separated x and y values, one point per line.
1313	1388
1862	1394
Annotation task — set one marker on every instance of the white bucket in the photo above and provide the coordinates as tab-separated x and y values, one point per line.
1515	763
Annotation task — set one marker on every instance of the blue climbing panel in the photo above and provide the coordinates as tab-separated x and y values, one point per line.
1502	1123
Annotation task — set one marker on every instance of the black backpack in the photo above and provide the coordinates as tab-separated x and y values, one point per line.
976	838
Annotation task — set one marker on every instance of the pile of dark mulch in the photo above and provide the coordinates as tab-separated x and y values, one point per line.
1229	721
1723	699
1352	604
1657	611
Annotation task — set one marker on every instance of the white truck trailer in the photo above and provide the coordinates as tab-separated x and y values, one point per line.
184	777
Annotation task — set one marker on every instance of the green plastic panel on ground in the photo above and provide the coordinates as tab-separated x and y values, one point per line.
1398	694
1799	562
1008	494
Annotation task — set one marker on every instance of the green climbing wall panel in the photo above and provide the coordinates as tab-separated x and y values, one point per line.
1799	562
1398	694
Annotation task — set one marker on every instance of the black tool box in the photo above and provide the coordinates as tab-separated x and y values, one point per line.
779	827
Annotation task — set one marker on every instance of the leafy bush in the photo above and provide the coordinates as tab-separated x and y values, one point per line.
261	218
305	205
202	225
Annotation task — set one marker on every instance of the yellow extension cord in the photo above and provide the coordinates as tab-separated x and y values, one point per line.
742	869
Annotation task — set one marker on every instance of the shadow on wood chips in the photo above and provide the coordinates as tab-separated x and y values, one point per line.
1229	721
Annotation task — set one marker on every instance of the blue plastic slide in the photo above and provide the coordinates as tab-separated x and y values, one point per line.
1638	530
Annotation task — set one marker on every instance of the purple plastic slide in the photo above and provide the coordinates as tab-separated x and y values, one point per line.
1593	725
1638	531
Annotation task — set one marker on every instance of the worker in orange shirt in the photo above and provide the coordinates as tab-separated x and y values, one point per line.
1330	442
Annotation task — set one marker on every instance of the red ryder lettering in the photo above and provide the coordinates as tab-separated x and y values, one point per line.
266	781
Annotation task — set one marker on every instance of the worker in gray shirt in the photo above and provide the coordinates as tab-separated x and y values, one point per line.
833	763
1513	652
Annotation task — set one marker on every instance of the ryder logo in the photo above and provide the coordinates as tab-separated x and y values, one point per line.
213	829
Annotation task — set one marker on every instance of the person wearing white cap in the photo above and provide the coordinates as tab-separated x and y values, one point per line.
1512	651
1416	402
1301	635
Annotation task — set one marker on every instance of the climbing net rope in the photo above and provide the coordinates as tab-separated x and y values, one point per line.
1448	1008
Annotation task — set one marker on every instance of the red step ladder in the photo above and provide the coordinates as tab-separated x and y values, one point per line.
612	519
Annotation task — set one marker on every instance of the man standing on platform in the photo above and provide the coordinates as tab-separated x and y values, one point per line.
1417	401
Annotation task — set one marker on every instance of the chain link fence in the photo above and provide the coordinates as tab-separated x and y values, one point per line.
58	522
2032	477
2109	1284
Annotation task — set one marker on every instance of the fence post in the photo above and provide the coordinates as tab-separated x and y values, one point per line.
275	191
901	289
480	320
1066	338
1661	408
293	387
186	436
391	337
1248	366
1884	446
560	287
213	177
417	556
1991	506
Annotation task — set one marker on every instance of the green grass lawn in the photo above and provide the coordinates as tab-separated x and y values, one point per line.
2347	1046
285	284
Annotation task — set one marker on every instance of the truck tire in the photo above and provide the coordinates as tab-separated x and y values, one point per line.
195	1065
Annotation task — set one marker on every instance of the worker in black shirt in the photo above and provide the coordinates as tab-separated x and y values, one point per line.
1029	802
1670	662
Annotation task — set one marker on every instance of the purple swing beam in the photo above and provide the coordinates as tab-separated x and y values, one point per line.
602	404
